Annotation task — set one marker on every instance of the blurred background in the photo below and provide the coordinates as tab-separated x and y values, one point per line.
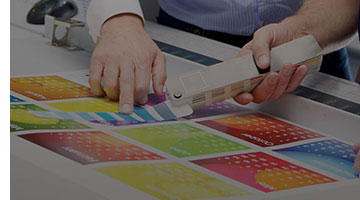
19	10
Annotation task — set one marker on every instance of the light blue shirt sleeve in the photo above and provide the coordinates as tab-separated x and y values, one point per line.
238	17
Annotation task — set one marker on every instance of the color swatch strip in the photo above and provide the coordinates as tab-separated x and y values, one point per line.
140	114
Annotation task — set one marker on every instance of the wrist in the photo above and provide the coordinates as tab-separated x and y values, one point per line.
297	27
126	20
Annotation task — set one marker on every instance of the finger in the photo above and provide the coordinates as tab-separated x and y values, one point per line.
357	163
244	98
96	72
159	73
266	88
357	147
246	49
297	77
261	48
111	81
142	82
285	74
127	81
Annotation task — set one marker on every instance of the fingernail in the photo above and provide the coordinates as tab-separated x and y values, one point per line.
263	61
125	108
272	80
304	72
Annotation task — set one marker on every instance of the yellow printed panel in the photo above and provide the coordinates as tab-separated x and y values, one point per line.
43	88
92	105
23	116
172	181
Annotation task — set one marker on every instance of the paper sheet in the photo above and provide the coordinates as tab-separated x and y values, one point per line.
222	151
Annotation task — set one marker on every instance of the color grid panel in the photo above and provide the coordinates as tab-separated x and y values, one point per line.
181	140
92	105
21	120
215	109
259	129
172	181
48	88
263	172
90	147
330	155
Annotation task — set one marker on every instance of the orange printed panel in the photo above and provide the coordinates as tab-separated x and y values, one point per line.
263	171
260	129
44	88
90	147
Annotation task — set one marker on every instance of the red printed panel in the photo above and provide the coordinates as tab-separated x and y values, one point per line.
263	172
90	147
260	129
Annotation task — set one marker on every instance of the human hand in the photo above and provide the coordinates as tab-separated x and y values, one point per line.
274	84
357	159
126	58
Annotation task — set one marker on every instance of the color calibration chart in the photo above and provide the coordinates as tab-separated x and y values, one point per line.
223	151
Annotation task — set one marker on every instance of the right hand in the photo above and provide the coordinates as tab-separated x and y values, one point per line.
275	84
126	58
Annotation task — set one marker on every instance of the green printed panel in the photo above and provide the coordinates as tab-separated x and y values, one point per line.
181	140
22	120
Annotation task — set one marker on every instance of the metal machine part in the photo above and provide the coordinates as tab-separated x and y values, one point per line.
64	9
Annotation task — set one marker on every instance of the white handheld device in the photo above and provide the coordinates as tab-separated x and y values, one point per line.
222	81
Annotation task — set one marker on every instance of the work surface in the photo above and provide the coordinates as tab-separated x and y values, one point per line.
41	169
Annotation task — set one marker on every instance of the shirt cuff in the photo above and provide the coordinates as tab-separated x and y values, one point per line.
101	10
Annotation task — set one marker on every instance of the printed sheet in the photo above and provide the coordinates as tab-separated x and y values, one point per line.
223	151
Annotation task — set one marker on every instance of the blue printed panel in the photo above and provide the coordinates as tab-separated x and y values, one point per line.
330	155
15	99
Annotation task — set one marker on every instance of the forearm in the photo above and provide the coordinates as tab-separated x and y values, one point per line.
332	22
100	11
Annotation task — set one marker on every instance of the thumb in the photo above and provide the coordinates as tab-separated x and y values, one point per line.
261	47
246	49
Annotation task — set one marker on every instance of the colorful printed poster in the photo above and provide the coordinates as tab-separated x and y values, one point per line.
172	181
181	140
259	129
22	120
15	99
90	147
215	109
43	88
330	155
263	172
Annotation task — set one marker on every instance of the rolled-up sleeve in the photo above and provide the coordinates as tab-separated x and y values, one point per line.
99	11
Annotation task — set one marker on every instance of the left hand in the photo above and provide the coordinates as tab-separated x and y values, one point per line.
357	159
274	84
